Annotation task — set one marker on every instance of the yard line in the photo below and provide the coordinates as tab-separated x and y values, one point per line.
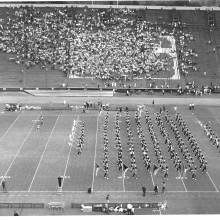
64	174
152	178
183	182
97	124
123	180
12	124
67	191
216	189
18	151
42	155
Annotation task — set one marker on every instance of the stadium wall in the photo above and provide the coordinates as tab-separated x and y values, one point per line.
131	2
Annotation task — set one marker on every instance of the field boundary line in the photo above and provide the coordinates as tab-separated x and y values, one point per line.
96	138
18	151
68	157
42	155
119	191
12	124
216	188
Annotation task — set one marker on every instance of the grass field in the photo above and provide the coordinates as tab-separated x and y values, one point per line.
34	159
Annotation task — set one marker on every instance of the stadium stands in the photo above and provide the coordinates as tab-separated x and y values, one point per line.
36	36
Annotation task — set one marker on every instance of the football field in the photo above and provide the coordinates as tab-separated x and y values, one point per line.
32	159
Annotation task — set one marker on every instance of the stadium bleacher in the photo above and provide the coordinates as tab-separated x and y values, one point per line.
195	22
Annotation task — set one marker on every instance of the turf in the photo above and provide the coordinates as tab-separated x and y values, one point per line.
34	159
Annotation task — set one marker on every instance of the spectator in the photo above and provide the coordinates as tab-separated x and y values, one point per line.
112	44
16	213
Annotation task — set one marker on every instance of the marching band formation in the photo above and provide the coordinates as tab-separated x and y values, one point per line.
183	149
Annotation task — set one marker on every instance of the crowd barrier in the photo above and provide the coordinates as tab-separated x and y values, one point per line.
159	5
93	89
97	206
16	89
22	205
119	90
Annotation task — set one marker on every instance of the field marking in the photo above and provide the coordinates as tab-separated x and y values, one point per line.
12	124
152	178
183	183
18	151
67	191
216	189
123	178
67	161
96	138
43	153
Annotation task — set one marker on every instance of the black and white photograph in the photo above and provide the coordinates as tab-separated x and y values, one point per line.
109	108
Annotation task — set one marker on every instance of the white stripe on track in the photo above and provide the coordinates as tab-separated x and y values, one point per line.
42	155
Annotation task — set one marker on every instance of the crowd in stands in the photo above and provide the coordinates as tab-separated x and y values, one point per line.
186	55
195	89
107	44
